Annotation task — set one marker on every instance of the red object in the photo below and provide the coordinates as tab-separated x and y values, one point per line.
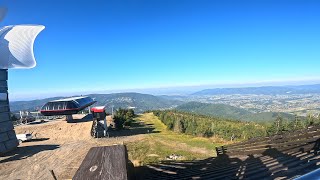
98	109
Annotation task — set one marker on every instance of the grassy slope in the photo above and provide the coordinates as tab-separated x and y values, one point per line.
156	146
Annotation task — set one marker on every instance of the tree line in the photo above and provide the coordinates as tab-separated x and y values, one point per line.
208	126
280	126
228	129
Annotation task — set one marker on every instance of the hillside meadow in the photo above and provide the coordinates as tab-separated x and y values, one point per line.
161	142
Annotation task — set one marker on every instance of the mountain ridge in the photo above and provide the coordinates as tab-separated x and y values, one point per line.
141	102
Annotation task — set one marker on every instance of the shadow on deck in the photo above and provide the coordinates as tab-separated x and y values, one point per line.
25	152
271	164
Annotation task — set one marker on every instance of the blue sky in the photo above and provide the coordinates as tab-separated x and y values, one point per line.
90	46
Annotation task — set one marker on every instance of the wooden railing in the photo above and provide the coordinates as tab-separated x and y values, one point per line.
303	140
285	156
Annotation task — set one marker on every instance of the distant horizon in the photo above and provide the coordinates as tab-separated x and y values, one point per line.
170	91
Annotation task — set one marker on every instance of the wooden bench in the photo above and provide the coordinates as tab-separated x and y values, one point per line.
108	163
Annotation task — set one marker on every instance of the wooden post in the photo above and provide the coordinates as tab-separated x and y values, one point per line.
53	175
69	117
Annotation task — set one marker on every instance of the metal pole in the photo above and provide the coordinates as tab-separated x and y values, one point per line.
105	125
20	114
112	111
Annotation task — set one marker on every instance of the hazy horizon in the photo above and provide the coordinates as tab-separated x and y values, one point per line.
170	91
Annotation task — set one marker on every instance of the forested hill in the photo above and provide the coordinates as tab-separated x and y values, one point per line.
206	126
266	90
231	112
141	102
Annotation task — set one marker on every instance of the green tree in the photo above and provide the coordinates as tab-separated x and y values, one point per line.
311	120
130	114
123	117
279	124
297	123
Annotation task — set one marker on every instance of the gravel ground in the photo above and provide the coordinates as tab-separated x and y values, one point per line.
58	145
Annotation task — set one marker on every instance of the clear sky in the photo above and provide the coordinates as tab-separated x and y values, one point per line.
91	45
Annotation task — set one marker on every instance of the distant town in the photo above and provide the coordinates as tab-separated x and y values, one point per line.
300	104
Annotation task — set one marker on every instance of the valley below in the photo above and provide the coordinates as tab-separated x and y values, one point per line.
300	104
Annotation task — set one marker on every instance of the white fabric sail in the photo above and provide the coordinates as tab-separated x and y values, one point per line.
16	46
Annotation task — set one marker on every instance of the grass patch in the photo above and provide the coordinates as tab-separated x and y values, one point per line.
166	134
160	143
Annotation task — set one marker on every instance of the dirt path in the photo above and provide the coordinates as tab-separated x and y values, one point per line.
61	147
